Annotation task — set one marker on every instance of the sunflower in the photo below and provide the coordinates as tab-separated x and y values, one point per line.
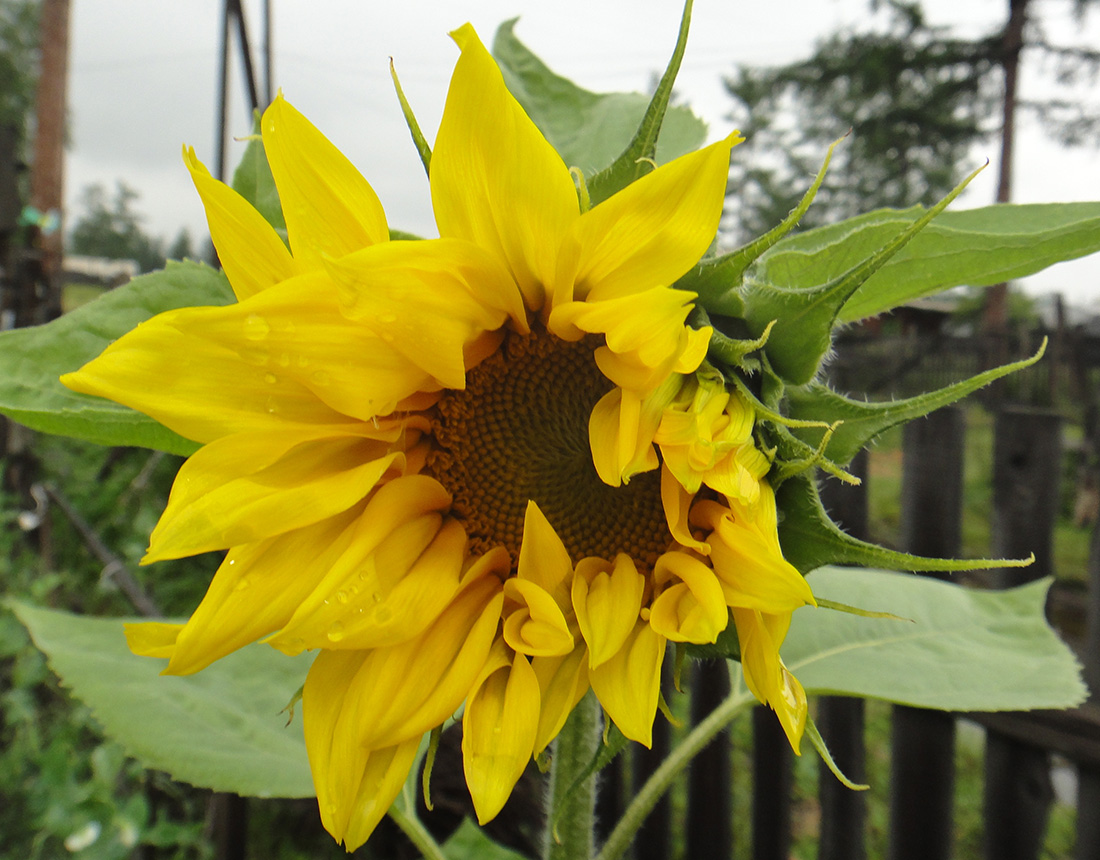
490	469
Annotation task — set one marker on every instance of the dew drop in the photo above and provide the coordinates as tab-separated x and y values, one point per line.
242	584
336	631
341	596
303	361
320	377
270	378
284	360
256	327
376	597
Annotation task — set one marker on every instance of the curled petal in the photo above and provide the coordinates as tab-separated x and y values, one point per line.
676	500
692	608
498	729
536	625
152	638
760	636
543	558
607	599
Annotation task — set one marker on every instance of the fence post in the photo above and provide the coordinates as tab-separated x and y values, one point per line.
922	762
653	840
772	775
1088	777
1026	472
710	780
841	718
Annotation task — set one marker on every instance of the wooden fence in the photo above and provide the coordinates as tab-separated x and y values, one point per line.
1018	747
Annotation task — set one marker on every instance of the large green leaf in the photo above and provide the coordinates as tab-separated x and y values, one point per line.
221	729
589	130
978	247
960	650
32	359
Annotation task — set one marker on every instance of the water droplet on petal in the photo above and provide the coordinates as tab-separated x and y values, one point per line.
320	377
256	327
242	584
335	631
270	378
284	360
341	596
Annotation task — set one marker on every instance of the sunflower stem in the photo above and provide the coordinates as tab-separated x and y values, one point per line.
644	801
417	833
571	813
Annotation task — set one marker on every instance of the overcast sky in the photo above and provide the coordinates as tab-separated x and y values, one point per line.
143	81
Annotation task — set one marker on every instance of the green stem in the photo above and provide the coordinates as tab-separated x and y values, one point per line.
644	801
417	833
571	812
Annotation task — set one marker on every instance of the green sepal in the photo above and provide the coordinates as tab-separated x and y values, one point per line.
419	141
810	539
806	316
727	646
861	421
253	180
403	236
293	704
32	359
836	606
732	352
429	764
588	130
822	750
717	280
639	157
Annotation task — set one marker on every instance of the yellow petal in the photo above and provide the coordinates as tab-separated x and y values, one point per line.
676	500
543	558
336	758
535	626
383	778
607	599
692	609
655	229
620	434
498	729
563	681
747	559
495	180
428	300
251	486
250	251
257	589
760	635
152	638
629	683
330	209
407	689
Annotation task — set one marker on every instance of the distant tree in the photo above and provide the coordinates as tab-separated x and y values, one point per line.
18	62
111	228
915	98
181	249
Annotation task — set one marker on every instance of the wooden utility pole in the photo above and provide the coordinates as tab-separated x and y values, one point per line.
48	168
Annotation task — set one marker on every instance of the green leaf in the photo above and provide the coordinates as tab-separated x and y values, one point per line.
222	728
810	539
589	130
469	842
805	316
862	421
964	650
32	359
253	180
978	247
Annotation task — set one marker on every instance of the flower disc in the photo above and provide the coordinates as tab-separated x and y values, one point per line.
519	432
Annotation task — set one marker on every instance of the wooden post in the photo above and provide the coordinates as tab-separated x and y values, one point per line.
922	764
1088	776
710	781
840	719
772	775
654	838
1026	473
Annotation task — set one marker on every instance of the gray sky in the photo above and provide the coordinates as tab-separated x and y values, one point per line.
143	79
